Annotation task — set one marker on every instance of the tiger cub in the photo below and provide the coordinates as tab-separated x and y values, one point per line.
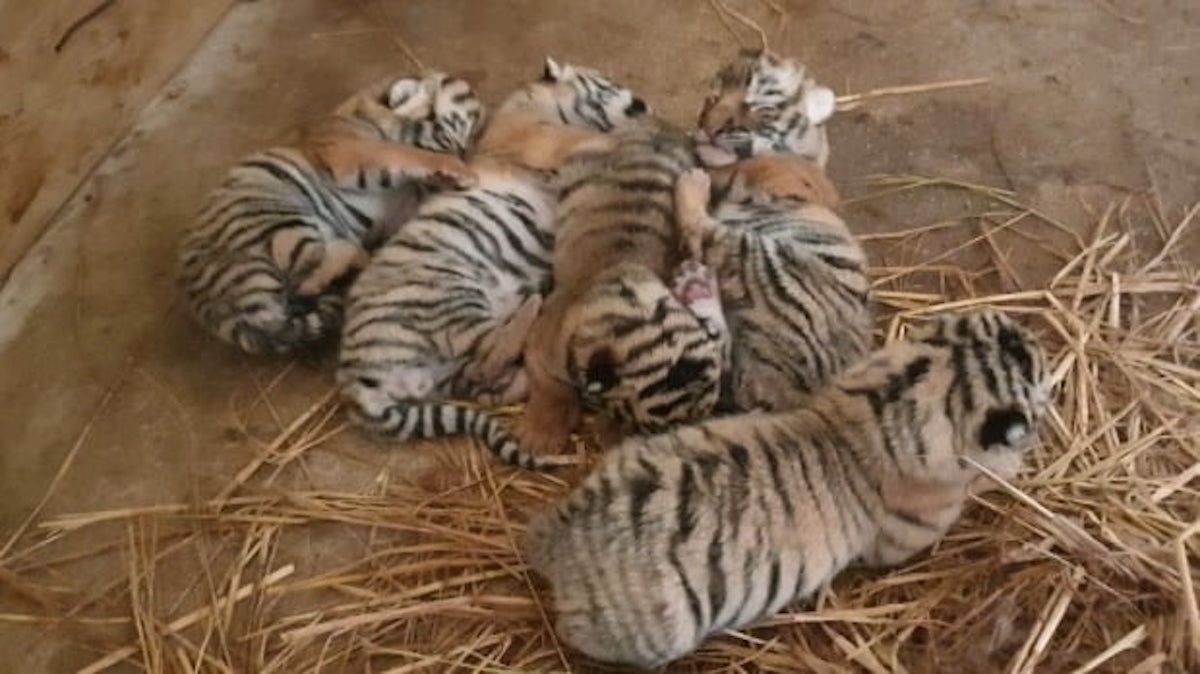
594	337
764	103
443	310
714	526
259	266
792	277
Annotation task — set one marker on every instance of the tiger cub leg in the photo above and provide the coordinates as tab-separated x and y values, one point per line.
500	349
340	258
539	146
516	391
696	227
348	159
553	409
705	241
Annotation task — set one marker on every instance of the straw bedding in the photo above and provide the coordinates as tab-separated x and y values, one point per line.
1087	563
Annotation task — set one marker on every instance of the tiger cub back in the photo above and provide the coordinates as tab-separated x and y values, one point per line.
262	264
443	310
793	278
714	526
762	102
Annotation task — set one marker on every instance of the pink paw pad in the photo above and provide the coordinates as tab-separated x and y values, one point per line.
696	287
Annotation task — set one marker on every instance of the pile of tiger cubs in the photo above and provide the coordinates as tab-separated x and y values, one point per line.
695	289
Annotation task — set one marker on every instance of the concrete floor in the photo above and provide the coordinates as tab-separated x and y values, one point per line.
1088	101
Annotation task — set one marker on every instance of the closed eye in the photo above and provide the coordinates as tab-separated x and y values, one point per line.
760	105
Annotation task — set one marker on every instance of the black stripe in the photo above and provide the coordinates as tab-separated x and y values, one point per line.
913	520
641	488
685	523
802	466
781	489
716	573
773	581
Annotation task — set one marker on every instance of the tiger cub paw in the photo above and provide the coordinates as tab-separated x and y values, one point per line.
695	286
452	174
691	211
541	435
692	188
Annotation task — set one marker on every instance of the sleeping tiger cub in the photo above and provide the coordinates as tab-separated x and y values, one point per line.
714	526
792	277
645	355
443	310
763	103
260	265
596	342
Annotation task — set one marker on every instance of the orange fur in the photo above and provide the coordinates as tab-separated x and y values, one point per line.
787	176
531	142
727	110
346	157
345	145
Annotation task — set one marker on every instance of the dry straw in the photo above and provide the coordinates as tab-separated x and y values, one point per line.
1086	563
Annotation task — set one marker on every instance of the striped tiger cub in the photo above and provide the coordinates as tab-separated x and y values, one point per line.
792	277
260	267
612	335
443	310
764	103
714	526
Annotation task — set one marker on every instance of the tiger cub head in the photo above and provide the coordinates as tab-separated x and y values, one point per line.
639	355
577	96
444	111
764	103
992	389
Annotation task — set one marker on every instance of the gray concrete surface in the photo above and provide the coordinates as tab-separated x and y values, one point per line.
1088	101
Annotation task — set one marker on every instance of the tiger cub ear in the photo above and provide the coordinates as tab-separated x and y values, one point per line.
938	330
819	104
755	53
1005	427
403	91
601	372
553	72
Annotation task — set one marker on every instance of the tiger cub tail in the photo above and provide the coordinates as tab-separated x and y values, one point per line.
404	421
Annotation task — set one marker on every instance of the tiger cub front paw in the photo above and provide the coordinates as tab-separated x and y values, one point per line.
452	174
692	188
691	211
